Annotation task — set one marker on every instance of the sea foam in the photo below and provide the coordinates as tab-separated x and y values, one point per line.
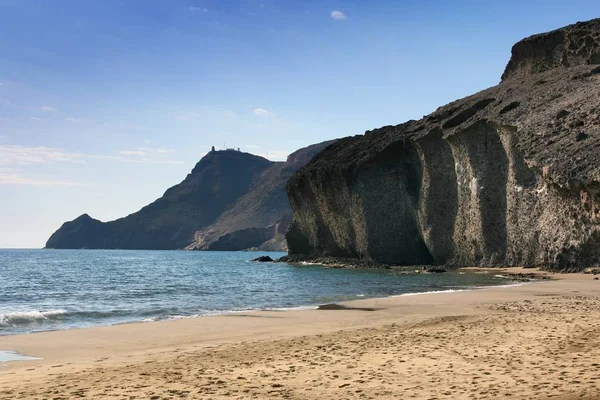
29	317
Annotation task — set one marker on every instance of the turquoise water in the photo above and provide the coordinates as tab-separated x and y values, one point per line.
62	289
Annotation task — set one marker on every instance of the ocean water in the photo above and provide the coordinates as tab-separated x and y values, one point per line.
44	290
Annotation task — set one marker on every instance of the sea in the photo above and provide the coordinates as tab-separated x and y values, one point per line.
44	290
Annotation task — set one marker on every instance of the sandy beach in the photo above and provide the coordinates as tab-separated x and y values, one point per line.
533	341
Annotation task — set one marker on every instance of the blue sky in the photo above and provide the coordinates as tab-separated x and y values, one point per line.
106	104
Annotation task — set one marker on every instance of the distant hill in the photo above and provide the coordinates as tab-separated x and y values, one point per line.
264	206
230	201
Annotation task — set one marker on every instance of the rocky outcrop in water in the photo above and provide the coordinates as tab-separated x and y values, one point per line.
508	176
230	201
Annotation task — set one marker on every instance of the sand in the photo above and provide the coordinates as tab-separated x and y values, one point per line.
534	341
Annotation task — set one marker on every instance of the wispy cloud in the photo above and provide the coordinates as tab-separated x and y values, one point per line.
15	178
34	118
132	153
148	152
48	109
263	112
16	155
19	165
22	155
4	119
198	9
337	14
72	119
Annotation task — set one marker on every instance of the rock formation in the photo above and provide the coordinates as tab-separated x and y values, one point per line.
507	177
230	201
259	219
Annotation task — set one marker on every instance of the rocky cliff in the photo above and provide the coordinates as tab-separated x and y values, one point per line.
230	201
508	176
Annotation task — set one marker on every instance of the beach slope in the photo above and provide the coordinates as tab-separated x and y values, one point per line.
533	341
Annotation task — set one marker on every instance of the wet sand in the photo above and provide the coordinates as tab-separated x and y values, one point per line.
534	341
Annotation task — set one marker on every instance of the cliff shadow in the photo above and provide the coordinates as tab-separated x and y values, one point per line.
438	203
389	187
481	165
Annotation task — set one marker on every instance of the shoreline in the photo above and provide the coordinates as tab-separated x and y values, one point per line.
115	360
515	276
401	338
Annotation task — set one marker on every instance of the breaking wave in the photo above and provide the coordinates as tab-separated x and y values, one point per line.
30	317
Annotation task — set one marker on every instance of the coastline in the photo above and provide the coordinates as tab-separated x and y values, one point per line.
268	339
51	318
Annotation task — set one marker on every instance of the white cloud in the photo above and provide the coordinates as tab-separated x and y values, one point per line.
8	178
147	152
71	119
22	155
16	155
132	153
17	162
263	112
231	114
157	150
4	119
336	14
48	109
198	9
35	118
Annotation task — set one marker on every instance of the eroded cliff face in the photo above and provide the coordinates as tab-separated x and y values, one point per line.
508	176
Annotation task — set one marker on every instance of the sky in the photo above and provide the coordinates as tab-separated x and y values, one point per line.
106	104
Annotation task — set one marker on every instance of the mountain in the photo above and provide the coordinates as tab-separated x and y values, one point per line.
263	212
509	176
226	194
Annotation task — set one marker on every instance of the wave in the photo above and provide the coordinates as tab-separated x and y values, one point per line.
29	317
35	317
463	290
214	313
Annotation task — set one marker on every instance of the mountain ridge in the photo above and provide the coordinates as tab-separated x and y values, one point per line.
213	187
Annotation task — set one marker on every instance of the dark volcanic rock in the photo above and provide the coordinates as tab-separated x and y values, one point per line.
500	178
259	219
231	200
215	183
263	259
573	45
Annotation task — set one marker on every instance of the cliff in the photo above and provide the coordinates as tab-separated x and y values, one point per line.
238	197
508	176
